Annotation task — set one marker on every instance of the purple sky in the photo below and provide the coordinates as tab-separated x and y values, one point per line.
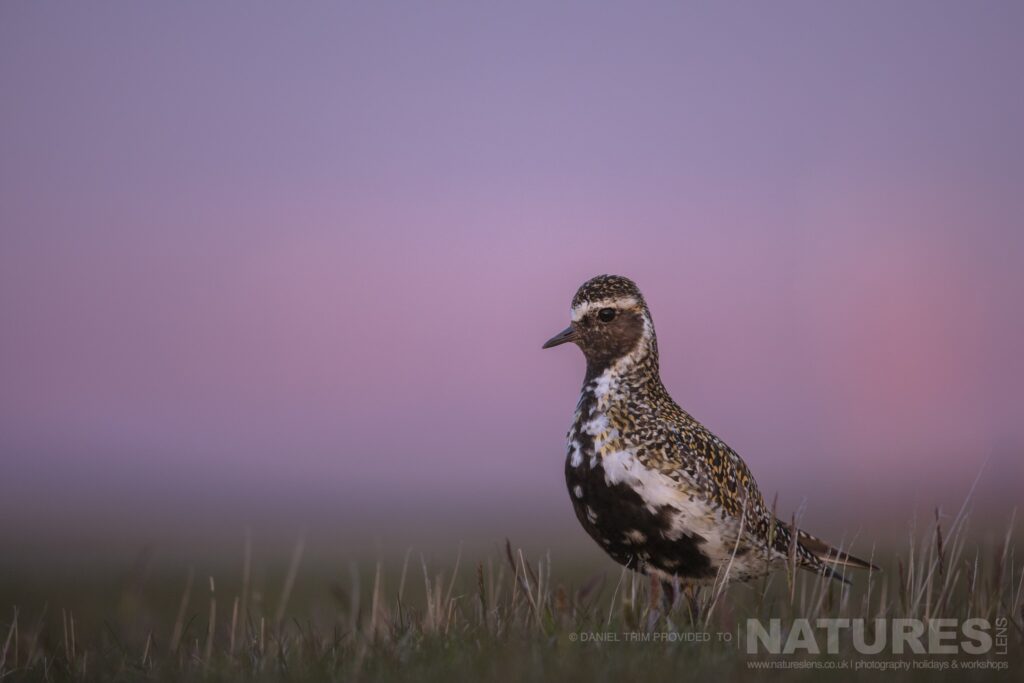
280	255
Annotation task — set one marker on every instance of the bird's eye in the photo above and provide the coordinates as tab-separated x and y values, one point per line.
605	315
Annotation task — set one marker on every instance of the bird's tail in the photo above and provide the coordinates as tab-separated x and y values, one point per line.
831	555
826	558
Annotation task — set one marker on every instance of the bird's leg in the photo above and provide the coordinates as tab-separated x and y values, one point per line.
653	615
669	593
693	601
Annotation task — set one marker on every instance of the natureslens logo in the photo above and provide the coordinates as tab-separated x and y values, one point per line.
877	636
845	644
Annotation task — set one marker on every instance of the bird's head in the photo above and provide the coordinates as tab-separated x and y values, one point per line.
610	323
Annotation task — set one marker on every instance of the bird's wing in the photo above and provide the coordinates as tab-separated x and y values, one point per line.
721	473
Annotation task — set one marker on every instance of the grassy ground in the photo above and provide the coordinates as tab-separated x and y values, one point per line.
503	617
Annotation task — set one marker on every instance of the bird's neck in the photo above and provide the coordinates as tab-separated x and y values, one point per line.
635	370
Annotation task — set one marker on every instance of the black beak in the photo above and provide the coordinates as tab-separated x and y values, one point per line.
566	335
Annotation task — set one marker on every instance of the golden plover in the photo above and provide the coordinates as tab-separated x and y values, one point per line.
658	491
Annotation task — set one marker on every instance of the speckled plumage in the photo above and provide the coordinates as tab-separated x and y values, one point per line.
653	486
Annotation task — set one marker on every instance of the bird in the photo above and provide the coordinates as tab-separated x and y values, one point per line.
657	490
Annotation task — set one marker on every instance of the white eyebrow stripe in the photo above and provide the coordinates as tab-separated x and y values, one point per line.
582	309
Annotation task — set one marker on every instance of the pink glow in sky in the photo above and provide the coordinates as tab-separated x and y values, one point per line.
310	252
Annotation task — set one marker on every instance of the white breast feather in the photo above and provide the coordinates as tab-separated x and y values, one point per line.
692	515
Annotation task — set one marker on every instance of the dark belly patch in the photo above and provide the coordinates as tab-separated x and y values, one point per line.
617	518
